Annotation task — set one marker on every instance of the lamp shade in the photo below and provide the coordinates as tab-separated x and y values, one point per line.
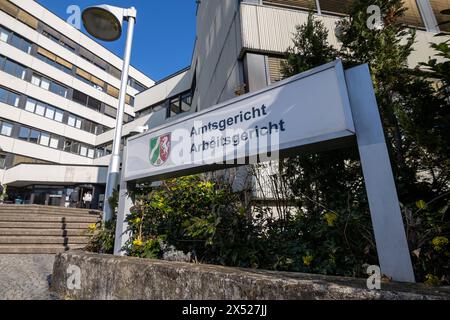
103	22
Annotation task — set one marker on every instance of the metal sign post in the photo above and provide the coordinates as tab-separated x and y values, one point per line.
322	109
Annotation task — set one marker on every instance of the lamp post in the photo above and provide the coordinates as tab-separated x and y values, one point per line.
104	22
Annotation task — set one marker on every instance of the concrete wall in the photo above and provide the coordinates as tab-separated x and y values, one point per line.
53	174
123	278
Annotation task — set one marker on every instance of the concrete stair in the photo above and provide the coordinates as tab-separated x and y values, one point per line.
31	229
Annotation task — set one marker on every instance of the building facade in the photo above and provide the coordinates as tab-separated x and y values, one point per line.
240	45
58	88
58	102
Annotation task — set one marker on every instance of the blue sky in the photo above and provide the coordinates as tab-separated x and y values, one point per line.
164	34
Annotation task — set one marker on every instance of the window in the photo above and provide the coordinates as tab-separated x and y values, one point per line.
21	43
110	111
175	106
15	40
40	109
54	60
335	6
9	97
80	97
6	128
34	136
54	141
45	83
67	145
49	140
58	89
62	42
112	91
24	133
27	19
91	153
45	139
438	6
49	85
99	152
44	110
4	34
78	148
304	4
115	72
94	104
59	114
12	68
2	161
180	104
75	147
19	14
412	15
86	100
50	113
186	102
90	79
74	121
83	151
30	105
136	84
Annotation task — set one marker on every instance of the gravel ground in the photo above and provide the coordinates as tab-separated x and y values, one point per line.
25	277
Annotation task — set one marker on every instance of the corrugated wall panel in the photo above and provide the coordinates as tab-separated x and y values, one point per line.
271	29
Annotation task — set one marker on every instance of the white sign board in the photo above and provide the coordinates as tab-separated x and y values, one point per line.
293	113
316	110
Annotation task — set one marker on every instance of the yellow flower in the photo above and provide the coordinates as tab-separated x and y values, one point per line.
206	185
137	220
93	227
331	217
421	204
307	260
432	280
138	243
439	243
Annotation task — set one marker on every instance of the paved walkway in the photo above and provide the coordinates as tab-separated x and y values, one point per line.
25	277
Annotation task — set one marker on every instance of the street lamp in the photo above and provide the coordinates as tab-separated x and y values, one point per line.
104	22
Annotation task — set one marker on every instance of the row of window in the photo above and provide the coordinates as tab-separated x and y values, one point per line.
50	140
19	14
52	113
19	71
61	64
15	40
49	85
12	68
9	97
54	60
39	137
176	105
6	128
55	36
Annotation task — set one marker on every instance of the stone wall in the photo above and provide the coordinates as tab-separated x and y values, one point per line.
110	277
